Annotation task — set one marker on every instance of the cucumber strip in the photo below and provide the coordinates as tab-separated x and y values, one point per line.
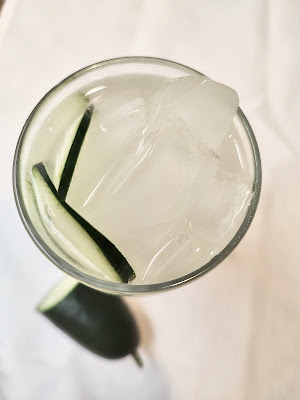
84	242
113	255
70	164
100	322
61	127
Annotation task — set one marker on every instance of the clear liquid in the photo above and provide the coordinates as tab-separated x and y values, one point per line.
169	200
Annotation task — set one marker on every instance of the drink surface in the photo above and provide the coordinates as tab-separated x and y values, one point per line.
162	172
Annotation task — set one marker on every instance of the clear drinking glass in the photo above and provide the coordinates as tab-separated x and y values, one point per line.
86	79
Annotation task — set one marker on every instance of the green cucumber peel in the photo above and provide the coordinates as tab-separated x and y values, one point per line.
100	322
109	250
71	161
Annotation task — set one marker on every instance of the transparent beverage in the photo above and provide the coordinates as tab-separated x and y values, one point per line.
163	171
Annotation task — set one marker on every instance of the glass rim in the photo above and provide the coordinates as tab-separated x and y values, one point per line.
125	288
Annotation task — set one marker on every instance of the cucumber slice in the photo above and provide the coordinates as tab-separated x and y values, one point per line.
100	322
58	293
80	240
71	160
61	127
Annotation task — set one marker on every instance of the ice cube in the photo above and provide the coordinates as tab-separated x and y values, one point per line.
168	94
221	205
207	165
182	252
176	244
158	172
141	145
128	116
120	107
206	106
110	135
233	156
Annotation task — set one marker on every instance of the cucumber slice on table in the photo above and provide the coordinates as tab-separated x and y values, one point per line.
101	323
80	239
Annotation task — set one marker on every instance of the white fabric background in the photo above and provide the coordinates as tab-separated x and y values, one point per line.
235	333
